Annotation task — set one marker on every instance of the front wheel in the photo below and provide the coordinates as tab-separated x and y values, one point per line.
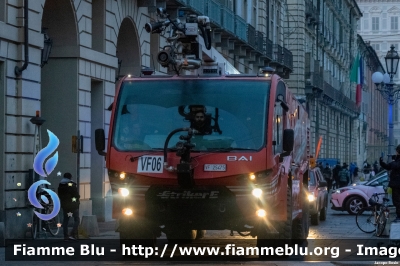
284	228
182	235
53	225
315	218
380	227
136	232
365	220
354	204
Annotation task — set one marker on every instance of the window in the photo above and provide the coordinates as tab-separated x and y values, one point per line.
375	23
143	122
394	23
366	21
376	46
384	21
396	112
98	25
2	10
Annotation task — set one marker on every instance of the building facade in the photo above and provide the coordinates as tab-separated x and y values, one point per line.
380	27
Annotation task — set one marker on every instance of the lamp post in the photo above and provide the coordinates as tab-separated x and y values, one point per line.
384	84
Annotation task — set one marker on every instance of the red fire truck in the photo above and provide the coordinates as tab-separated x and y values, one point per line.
207	152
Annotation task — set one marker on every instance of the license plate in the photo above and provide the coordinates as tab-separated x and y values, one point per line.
215	167
150	164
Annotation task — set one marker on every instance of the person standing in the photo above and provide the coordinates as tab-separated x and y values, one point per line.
366	170
335	175
394	180
69	199
344	176
355	174
327	173
375	167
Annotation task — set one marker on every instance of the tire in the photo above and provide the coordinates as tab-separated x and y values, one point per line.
300	227
315	219
52	224
266	239
322	213
200	234
380	227
354	204
365	220
136	232
181	235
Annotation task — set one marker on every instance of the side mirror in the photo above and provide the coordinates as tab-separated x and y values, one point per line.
100	141
288	140
322	184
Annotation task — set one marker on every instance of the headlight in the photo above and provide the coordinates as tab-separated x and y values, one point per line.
122	176
259	175
127	211
257	192
311	197
123	192
341	190
261	213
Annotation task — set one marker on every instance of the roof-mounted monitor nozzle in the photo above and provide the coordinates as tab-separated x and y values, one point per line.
184	51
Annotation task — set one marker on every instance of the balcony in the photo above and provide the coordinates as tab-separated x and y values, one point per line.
251	36
287	58
199	6
268	48
277	53
339	101
214	12
260	37
232	34
228	20
240	28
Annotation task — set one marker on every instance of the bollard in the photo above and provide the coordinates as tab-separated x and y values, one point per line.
89	224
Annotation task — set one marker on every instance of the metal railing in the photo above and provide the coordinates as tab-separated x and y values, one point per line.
268	48
241	28
278	53
228	20
214	11
260	37
341	100
251	36
198	5
287	58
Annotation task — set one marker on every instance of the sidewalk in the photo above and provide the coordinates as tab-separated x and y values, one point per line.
106	231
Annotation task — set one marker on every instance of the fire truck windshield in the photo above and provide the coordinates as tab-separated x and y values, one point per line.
230	113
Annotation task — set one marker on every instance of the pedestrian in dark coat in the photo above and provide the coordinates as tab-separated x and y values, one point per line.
335	175
394	182
69	199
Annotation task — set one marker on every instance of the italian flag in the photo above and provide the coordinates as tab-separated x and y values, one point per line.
356	76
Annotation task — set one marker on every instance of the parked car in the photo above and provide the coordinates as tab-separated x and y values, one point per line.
353	198
317	196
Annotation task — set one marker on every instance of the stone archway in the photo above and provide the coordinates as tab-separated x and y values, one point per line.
59	83
128	48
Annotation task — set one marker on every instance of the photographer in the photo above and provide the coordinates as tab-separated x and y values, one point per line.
394	181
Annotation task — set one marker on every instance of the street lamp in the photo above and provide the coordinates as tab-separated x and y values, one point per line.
47	45
384	84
